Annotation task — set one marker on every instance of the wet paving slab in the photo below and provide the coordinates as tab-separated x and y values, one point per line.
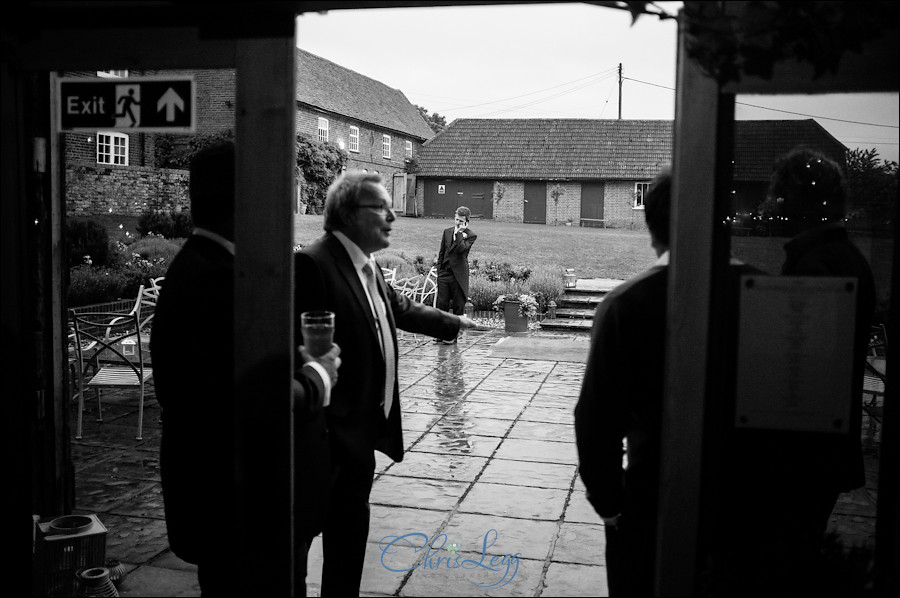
523	502
541	430
501	535
566	579
461	425
523	473
475	574
540	451
399	491
443	442
580	543
438	466
490	467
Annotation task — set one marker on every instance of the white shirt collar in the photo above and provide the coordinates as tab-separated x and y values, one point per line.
357	256
214	237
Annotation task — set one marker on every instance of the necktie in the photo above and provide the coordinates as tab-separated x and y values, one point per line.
387	341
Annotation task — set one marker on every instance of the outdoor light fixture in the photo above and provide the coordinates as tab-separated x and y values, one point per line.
570	278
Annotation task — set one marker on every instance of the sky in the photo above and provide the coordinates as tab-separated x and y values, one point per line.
555	61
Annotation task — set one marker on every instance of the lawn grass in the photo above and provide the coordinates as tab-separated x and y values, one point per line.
592	252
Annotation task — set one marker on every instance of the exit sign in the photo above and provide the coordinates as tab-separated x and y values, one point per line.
138	104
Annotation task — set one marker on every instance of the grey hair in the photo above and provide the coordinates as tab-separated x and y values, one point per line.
344	196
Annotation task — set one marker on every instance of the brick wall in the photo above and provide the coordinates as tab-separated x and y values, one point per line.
618	209
100	189
563	202
369	156
509	201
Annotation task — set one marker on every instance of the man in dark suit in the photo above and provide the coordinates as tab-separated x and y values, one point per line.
192	333
339	274
453	263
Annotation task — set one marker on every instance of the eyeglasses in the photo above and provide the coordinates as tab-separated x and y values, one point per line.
382	209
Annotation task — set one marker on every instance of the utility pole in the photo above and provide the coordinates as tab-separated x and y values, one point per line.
620	91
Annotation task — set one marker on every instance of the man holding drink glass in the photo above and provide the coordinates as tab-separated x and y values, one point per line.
339	274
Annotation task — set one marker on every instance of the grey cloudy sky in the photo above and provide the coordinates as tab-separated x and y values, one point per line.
555	60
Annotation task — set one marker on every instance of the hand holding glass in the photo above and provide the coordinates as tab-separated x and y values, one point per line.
317	328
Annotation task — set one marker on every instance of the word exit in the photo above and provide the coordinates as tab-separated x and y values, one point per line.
138	104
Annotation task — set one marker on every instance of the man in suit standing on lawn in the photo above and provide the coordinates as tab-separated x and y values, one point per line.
339	274
453	264
191	341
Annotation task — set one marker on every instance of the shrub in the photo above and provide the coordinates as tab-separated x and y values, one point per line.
89	285
483	292
503	271
89	239
154	247
182	225
157	222
547	283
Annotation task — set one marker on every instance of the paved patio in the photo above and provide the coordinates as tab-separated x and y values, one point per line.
489	477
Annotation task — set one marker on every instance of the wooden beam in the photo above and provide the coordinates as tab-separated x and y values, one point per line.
264	302
691	262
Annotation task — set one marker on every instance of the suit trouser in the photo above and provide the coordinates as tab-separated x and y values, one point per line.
630	557
346	529
450	296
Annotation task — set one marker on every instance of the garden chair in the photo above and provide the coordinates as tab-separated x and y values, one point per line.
390	274
874	376
111	345
427	292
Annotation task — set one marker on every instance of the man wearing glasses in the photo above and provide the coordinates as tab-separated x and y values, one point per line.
339	274
453	264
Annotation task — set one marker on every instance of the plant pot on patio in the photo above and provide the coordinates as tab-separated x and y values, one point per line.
513	319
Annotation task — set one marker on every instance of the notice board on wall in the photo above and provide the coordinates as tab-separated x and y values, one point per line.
795	353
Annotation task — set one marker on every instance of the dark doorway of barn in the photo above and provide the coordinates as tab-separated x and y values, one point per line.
535	203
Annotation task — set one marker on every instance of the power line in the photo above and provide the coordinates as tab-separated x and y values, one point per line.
852	122
541	100
604	74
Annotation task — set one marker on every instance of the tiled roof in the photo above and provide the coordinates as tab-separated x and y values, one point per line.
326	85
549	149
758	143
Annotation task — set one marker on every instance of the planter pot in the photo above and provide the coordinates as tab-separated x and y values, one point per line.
512	319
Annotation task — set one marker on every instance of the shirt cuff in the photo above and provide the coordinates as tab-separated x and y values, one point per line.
326	380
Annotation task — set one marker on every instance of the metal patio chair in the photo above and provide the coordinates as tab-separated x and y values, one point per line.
111	347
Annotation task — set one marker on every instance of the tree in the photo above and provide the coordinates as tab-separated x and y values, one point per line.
318	164
437	122
871	186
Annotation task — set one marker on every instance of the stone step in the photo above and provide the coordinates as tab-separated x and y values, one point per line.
579	301
569	312
573	324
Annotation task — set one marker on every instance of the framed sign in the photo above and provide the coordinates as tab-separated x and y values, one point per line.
795	353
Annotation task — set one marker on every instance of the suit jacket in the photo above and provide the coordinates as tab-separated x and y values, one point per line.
327	280
190	343
455	252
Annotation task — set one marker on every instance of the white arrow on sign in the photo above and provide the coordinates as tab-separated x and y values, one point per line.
170	100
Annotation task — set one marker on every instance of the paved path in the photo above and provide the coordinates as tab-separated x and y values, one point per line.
490	467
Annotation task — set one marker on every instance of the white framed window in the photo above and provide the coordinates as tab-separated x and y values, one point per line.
112	148
323	129
409	149
108	74
386	146
640	190
354	139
